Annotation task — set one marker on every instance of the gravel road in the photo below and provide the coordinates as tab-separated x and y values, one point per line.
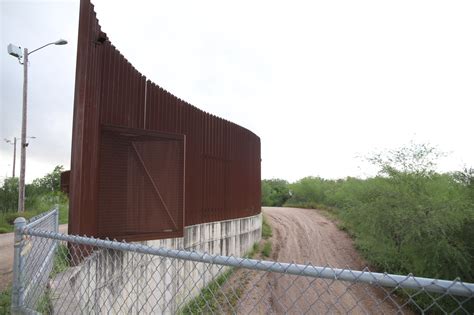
305	236
6	257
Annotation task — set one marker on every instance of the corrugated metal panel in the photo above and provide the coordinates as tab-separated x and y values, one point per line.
109	193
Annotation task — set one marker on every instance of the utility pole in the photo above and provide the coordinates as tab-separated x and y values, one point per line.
21	186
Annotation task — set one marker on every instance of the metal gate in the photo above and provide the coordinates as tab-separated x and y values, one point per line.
141	184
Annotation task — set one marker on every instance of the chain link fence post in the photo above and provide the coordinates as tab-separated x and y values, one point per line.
56	216
17	285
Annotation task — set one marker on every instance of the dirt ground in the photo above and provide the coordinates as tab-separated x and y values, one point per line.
305	236
6	257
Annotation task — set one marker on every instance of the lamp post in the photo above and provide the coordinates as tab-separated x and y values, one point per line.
16	52
13	143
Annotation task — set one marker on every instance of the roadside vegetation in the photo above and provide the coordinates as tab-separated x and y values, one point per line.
5	301
266	234
227	288
407	219
212	297
218	293
41	195
275	192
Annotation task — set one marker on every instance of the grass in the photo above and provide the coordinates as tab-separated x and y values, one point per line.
45	304
212	295
60	264
208	300
61	260
7	219
266	228
5	301
266	234
267	249
253	251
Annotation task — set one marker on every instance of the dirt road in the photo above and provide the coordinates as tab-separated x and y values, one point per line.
6	257
305	236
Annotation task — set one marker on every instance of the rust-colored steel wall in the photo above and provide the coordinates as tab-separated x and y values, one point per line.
144	162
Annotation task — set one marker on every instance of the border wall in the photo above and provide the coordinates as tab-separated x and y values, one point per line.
146	164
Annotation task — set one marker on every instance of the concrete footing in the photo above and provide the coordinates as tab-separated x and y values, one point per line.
112	281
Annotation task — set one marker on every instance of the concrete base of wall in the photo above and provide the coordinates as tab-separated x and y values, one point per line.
229	237
112	281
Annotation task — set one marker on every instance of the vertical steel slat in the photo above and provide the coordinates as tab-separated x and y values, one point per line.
164	106
130	114
151	105
113	86
122	113
134	108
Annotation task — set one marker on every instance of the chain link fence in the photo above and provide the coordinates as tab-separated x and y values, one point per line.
33	259
64	274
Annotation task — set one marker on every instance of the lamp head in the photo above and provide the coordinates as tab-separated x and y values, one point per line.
15	51
60	42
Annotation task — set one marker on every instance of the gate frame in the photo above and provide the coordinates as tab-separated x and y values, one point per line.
151	133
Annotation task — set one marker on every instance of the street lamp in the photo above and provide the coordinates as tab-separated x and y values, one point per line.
15	51
13	143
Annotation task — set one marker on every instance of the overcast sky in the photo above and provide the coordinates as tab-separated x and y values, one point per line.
321	82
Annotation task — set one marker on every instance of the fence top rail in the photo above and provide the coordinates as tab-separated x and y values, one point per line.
34	221
454	287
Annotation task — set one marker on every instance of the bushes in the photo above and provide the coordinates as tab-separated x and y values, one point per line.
41	195
411	224
9	195
5	301
275	192
407	219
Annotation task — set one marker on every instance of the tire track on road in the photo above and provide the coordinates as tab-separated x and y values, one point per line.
305	236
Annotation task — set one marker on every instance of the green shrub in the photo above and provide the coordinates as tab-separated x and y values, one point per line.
267	249
211	297
10	217
266	228
41	196
5	301
407	219
61	260
275	192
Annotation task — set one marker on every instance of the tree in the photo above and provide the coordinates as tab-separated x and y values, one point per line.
51	182
416	158
309	191
414	219
9	195
275	192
